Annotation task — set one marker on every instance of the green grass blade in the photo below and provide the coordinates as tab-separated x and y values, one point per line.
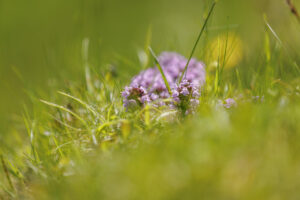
5	169
79	101
197	41
31	135
58	147
161	70
281	44
272	31
65	124
66	110
102	126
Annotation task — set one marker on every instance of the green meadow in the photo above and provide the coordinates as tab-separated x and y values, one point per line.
65	133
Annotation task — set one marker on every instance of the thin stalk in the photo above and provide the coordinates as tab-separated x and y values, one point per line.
6	173
293	9
197	41
161	71
282	45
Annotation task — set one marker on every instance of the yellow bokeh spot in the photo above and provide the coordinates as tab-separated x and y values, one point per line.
226	50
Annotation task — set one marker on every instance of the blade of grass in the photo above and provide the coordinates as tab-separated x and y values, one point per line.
217	77
6	172
57	147
72	113
225	55
85	54
15	171
109	112
197	41
66	110
30	133
100	128
272	31
161	70
79	101
65	124
238	77
221	63
67	127
297	68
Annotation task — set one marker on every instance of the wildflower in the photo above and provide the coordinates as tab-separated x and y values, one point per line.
134	96
229	103
186	96
184	91
130	103
154	96
148	86
145	99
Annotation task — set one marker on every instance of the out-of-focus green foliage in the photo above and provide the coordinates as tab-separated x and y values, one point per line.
82	144
40	41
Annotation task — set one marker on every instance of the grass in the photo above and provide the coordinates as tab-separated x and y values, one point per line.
197	41
82	144
161	71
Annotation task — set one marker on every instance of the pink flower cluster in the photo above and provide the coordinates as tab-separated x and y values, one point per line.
148	86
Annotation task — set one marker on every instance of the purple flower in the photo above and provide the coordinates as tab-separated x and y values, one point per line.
229	103
195	102
145	99
126	93
175	94
195	93
185	96
130	103
133	96
154	96
164	95
148	86
184	91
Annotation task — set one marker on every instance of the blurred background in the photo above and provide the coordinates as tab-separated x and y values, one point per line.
41	40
